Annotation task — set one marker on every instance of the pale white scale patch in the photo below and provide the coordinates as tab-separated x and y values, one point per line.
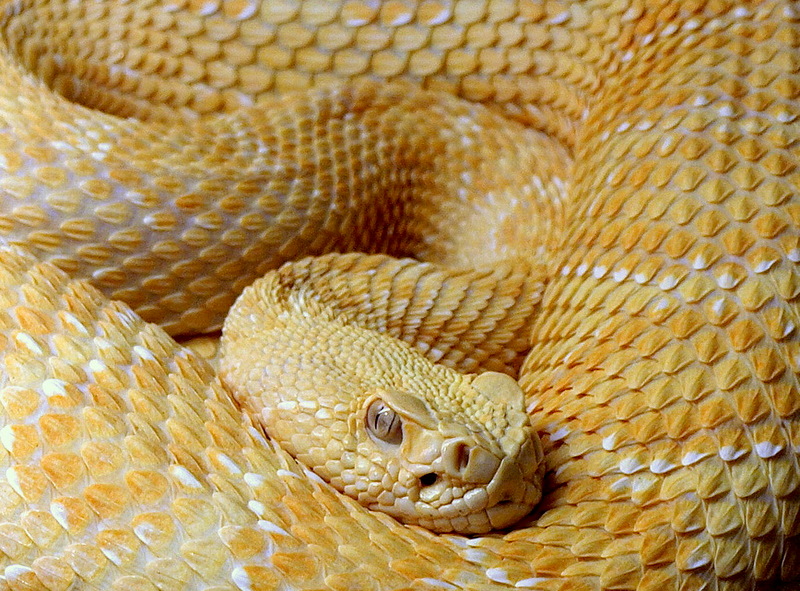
699	262
13	479
401	19
97	366
435	354
668	282
185	477
693	457
667	142
127	317
63	147
229	464
661	304
311	475
691	25
661	466
8	438
767	449
245	11
323	414
144	353
475	555
257	435
698	561
669	30
623	484
630	466
443	16
498	575
241	579
257	507
537	184
531	583
641	484
271	527
15	571
254	480
54	387
764	266
103	345
60	514
146	532
26	341
726	281
609	442
730	453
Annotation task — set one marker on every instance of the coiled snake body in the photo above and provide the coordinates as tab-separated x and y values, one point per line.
612	186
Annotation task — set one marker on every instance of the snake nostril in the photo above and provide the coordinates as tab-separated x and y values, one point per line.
428	479
462	453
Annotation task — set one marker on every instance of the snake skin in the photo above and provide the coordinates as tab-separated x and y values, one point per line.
664	353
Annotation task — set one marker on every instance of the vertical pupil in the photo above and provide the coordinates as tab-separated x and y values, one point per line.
386	419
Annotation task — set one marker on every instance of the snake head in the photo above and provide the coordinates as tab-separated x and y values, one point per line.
379	421
471	471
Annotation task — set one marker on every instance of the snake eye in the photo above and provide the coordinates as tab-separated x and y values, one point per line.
384	423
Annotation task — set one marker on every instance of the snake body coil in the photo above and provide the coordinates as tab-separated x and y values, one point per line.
606	195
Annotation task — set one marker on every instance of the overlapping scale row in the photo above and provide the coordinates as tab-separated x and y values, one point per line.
125	464
177	219
664	367
674	396
536	61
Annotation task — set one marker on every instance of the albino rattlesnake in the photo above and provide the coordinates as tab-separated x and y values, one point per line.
644	153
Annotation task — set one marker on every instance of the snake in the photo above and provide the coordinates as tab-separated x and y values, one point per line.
549	240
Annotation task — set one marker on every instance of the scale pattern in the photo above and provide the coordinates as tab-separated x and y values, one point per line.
656	147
